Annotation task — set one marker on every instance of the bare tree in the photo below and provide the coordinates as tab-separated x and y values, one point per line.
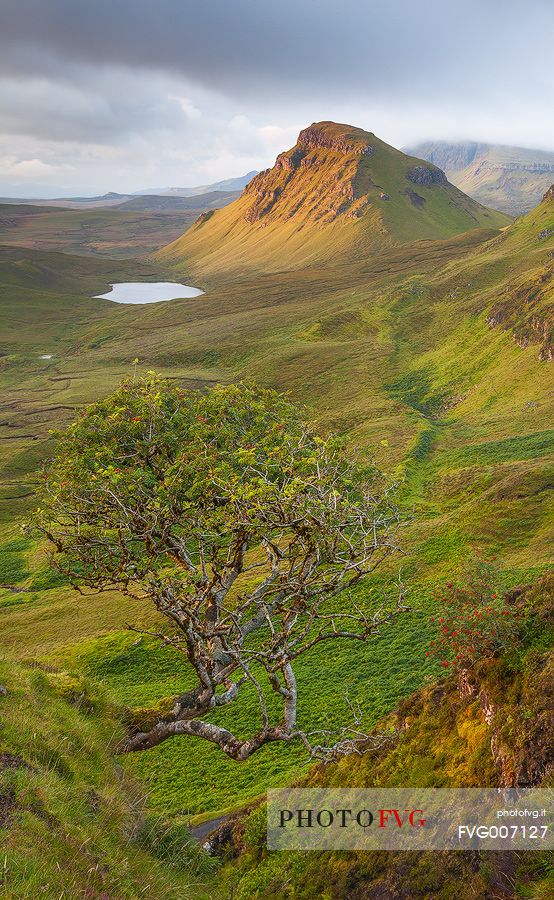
249	533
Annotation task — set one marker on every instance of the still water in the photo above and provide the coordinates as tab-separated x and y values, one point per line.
148	292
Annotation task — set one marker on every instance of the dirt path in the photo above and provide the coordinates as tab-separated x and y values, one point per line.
201	832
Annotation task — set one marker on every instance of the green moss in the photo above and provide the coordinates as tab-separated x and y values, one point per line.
13	567
46	579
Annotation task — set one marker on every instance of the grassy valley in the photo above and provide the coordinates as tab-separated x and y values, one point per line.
402	314
131	227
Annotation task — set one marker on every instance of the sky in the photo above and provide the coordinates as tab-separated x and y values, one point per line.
124	95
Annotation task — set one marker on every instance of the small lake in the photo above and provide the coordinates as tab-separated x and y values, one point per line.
148	292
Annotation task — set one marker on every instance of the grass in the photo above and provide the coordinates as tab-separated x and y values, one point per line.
393	349
489	453
12	566
441	740
71	823
117	233
138	672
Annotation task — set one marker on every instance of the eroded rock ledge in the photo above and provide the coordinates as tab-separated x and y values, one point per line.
314	137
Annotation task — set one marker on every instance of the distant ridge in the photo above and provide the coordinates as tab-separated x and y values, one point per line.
228	190
131	202
340	193
228	184
511	179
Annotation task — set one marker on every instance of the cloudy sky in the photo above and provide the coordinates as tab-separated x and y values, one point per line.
99	95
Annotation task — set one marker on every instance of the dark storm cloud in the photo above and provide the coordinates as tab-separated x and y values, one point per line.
254	46
176	90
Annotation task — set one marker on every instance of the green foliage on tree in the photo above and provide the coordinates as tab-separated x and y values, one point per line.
241	524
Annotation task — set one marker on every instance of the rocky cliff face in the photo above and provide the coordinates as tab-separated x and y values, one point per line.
526	313
450	157
324	176
426	175
321	136
317	177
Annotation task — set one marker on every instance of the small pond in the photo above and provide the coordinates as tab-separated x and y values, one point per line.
148	292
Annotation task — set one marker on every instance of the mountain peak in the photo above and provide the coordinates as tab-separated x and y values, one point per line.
317	174
326	175
510	179
339	193
339	138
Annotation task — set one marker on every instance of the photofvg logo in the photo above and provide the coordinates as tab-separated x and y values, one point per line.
343	818
409	819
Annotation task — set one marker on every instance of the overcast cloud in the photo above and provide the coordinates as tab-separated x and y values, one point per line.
100	95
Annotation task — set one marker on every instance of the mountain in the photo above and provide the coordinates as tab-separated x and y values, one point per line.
134	226
202	197
340	193
172	202
511	179
228	184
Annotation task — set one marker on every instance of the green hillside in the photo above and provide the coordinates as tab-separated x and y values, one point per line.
510	179
404	360
71	823
339	194
431	354
444	738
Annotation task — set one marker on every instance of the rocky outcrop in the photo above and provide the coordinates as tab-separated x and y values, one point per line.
265	200
315	137
204	217
426	175
290	160
520	746
527	313
316	178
